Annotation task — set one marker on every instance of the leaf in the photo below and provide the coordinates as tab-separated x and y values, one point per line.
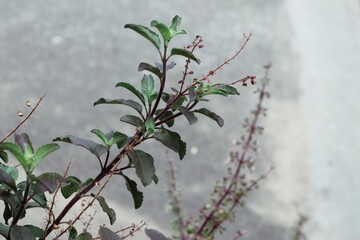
147	86
171	140
72	233
3	155
42	152
174	28
36	232
46	182
70	186
133	120
106	209
85	236
153	97
40	200
211	115
4	229
24	142
21	233
146	33
217	89
10	170
106	234
166	115
7	179
190	116
168	66
10	204
16	151
155	235
102	136
185	53
148	67
150	126
138	196
119	139
144	166
163	29
132	89
131	103
91	146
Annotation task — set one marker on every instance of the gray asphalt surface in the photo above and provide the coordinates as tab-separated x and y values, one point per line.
76	51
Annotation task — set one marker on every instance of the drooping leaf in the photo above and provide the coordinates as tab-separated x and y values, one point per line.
147	85
106	234
10	204
46	182
144	166
91	146
211	115
137	196
106	209
132	89
185	53
21	233
190	116
147	33
85	236
42	152
171	140
150	126
155	235
70	186
163	29
133	120
131	103
148	67
7	179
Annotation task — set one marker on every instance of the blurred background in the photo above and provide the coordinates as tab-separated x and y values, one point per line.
76	51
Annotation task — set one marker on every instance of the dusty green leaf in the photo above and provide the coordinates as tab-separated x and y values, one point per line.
150	126
190	116
46	182
184	53
7	179
132	89
21	233
146	33
133	120
144	166
131	103
105	207
211	115
163	29
91	146
147	85
106	234
85	236
70	186
148	67
171	140
137	196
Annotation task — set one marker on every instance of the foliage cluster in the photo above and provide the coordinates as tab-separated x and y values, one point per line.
156	108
